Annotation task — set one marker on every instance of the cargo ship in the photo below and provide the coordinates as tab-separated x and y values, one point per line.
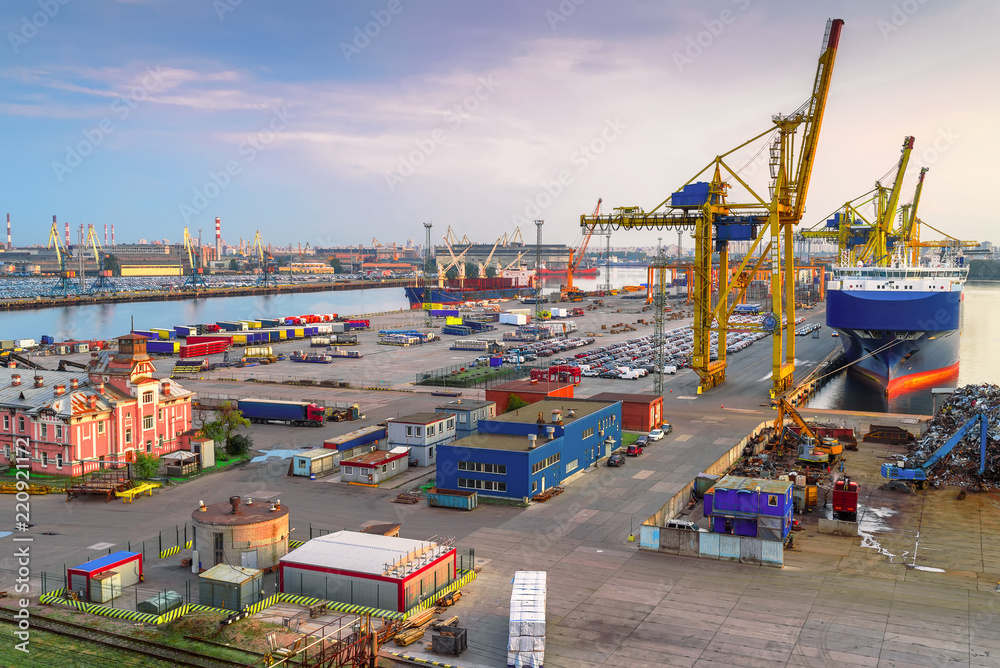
899	325
469	290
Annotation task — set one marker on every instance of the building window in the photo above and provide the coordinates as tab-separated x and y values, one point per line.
461	419
100	427
772	500
6	423
160	443
534	487
45	431
394	465
430	452
20	423
59	460
128	435
384	469
587	433
348	470
451	423
149	446
45	459
159	414
58	432
147	397
409	431
545	463
573	465
486	485
480	467
147	422
417	431
430	430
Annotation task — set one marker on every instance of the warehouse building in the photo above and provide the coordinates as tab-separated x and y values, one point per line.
529	391
375	467
251	534
527	451
468	413
102	579
423	433
640	412
383	572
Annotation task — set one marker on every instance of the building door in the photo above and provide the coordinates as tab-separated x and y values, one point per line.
218	548
249	559
543	483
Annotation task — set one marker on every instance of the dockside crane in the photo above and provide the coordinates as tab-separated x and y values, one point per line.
266	262
65	286
195	278
579	253
767	221
103	282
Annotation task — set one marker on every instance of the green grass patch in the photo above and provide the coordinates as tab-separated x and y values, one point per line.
629	438
501	501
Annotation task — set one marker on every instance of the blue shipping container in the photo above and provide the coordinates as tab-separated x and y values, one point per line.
451	498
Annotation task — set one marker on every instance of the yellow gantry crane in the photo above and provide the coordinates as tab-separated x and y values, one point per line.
103	282
579	253
767	222
265	260
196	278
65	285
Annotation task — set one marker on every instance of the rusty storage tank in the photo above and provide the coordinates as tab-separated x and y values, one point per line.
251	533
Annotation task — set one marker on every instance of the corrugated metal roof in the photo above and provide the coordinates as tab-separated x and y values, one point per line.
366	553
731	482
230	574
419	418
315	454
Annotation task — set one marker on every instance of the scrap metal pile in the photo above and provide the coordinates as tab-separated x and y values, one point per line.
960	467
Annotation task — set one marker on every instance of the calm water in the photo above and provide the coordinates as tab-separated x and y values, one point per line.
101	321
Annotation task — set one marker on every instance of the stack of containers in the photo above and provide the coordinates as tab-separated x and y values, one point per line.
526	639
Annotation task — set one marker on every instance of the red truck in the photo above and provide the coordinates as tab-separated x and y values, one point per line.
845	500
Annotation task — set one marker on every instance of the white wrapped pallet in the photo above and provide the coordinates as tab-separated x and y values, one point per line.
526	627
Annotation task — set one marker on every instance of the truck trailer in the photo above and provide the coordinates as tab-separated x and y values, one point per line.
295	413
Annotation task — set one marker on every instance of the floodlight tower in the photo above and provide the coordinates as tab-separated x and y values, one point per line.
425	295
660	267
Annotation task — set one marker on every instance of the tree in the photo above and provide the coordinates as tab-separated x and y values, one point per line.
239	445
514	402
223	429
338	268
472	270
146	466
234	265
491	271
112	264
452	272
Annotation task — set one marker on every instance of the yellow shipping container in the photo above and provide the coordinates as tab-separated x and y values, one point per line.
251	324
239	339
162	334
282	335
299	332
453	320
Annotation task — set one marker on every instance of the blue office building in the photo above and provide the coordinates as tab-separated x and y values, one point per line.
468	413
524	452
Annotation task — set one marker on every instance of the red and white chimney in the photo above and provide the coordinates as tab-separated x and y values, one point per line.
112	234
67	231
218	238
105	234
60	390
74	383
39	381
10	244
15	379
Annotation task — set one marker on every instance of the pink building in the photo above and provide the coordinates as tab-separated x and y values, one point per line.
69	423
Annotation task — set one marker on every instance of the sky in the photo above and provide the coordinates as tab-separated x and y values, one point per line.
334	123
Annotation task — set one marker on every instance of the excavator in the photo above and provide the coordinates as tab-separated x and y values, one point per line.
811	448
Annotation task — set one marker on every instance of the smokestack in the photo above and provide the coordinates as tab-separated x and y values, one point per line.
39	381
234	501
10	244
15	379
218	238
67	231
112	234
105	234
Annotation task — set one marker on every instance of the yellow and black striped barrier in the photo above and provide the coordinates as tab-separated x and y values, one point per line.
292	544
427	662
170	551
340	607
467	576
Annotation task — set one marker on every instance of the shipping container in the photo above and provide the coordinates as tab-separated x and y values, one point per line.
163	347
452	498
318	462
354	439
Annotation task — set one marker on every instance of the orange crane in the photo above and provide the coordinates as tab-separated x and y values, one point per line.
580	252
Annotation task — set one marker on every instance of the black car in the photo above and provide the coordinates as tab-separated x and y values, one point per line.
642	441
617	459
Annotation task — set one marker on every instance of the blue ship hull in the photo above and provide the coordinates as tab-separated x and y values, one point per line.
899	339
455	296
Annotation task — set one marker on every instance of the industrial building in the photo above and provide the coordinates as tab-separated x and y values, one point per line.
423	433
70	423
102	579
375	467
527	390
755	507
524	452
640	412
251	534
230	587
383	572
468	413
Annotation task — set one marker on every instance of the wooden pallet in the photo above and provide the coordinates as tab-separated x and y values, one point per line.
547	494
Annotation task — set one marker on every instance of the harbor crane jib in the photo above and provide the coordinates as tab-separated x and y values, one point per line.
765	220
103	282
196	278
65	286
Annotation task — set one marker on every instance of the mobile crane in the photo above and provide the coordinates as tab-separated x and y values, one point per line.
811	447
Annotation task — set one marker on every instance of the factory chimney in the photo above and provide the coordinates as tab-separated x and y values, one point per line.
105	234
10	244
112	234
67	231
218	238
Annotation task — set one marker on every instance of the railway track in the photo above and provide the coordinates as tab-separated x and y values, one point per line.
174	655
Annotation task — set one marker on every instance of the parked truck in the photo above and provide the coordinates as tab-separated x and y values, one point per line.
295	413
